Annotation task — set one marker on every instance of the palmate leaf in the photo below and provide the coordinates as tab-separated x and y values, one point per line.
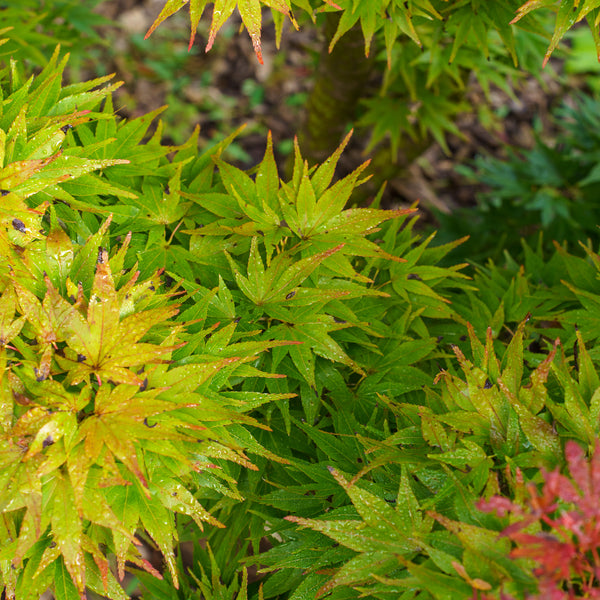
250	12
399	19
105	345
495	389
568	13
101	344
276	283
382	537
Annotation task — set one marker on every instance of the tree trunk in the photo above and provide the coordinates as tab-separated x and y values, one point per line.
341	79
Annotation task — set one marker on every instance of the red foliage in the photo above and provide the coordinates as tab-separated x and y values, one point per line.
568	509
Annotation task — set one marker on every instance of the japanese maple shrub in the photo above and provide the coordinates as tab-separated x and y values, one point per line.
125	394
191	350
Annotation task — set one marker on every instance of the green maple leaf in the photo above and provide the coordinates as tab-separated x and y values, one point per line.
250	12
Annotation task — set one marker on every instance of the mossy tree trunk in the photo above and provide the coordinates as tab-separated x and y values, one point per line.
341	80
344	76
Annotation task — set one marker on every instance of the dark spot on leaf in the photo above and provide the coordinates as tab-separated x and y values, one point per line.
167	189
487	385
462	338
52	544
414	276
151	286
39	375
290	295
260	232
100	258
439	338
148	425
140	371
19	225
48	442
237	319
144	385
359	460
21	399
239	218
66	128
4	192
283	223
207	337
81	358
168	281
339	320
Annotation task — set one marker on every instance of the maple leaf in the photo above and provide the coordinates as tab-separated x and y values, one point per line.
250	12
565	550
105	345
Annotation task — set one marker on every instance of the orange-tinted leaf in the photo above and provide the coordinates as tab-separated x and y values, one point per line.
252	18
221	12
110	432
18	172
